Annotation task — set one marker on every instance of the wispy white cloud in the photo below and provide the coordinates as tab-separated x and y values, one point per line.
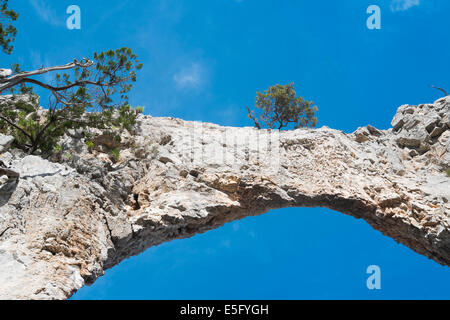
46	13
190	77
403	5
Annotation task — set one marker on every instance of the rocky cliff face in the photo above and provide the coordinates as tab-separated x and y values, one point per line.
65	221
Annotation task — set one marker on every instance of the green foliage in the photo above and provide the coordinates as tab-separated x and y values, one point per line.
57	148
116	154
279	107
21	88
92	95
68	156
126	118
448	172
139	110
90	145
7	31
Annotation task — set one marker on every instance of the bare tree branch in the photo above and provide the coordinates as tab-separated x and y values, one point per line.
69	86
440	89
16	126
251	115
10	173
22	77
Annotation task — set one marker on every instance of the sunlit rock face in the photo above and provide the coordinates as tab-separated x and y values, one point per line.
69	218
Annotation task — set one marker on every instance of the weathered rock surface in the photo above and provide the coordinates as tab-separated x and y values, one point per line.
5	73
63	224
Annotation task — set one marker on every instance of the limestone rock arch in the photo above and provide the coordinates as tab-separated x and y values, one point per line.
63	224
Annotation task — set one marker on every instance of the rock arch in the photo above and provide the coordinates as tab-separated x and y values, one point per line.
62	225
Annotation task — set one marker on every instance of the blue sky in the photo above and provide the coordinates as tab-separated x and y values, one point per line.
205	60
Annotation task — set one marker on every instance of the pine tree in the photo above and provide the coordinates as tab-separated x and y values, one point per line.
90	93
279	107
7	31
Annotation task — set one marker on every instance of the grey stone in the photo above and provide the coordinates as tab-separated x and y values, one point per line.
4	73
5	143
